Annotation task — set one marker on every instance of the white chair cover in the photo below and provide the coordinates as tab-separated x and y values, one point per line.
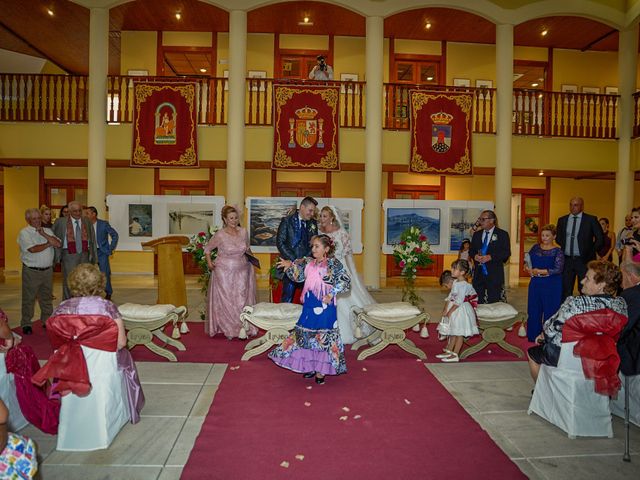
92	422
617	404
8	396
565	398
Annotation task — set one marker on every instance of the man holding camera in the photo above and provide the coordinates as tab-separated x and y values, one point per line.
322	71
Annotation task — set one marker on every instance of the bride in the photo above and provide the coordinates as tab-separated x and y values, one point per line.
331	224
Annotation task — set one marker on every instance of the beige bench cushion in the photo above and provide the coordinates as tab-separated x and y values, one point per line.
393	311
136	312
495	311
276	311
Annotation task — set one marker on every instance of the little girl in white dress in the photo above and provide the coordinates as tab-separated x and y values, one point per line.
460	309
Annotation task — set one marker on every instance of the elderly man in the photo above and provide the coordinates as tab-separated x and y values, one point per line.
78	242
106	242
294	233
490	249
37	253
629	341
580	236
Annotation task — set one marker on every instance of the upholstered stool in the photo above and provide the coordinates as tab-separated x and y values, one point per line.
143	322
390	321
278	319
493	320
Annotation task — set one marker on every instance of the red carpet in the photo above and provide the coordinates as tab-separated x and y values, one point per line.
202	349
409	427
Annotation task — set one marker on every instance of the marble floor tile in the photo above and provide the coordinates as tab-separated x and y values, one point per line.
217	372
495	395
169	400
173	372
466	371
183	445
204	401
98	472
146	443
170	473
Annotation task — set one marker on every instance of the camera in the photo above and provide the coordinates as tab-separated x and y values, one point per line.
322	64
628	241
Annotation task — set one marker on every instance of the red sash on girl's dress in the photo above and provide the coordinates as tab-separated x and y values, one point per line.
596	334
67	363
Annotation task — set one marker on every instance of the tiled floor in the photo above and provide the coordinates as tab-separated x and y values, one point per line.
178	396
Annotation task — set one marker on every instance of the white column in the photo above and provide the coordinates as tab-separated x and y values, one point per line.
373	151
98	71
504	101
627	64
235	117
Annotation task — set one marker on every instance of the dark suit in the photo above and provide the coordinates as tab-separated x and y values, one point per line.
68	260
490	287
629	342
590	239
104	231
293	242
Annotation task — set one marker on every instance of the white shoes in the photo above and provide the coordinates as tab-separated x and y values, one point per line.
443	355
452	357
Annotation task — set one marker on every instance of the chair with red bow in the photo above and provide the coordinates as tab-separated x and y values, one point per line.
84	370
574	396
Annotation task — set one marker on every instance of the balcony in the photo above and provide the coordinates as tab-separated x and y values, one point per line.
64	99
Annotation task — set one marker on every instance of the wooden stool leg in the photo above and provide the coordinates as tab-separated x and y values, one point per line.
409	346
257	351
375	349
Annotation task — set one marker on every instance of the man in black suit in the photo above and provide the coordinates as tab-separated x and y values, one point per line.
629	342
580	237
490	249
294	233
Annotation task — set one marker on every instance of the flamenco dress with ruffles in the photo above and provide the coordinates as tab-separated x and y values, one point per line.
315	344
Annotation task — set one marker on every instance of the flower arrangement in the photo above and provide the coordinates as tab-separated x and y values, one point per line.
411	252
196	249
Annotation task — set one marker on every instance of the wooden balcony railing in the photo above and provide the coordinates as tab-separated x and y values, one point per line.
63	99
397	108
636	115
43	98
564	114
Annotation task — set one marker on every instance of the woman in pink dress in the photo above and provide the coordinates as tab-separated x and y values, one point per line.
232	285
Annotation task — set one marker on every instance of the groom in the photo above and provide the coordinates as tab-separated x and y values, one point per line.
294	233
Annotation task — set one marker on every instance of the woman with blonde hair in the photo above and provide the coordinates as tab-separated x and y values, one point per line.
47	221
232	285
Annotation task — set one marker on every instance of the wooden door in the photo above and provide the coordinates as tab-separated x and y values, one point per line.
532	217
416	192
296	64
60	192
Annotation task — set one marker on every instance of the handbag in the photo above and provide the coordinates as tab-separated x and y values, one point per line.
444	327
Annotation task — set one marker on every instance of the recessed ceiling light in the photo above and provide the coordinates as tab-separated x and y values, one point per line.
544	32
203	70
429	79
178	16
534	84
428	25
541	173
53	164
50	12
306	21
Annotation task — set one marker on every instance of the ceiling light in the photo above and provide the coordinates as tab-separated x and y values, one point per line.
203	70
541	173
544	32
429	79
428	25
53	164
540	96
306	22
535	84
50	12
178	16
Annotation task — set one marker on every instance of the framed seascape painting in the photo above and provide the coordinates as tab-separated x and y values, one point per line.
461	225
399	219
140	220
189	218
265	215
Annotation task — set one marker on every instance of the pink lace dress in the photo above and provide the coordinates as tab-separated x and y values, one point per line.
232	285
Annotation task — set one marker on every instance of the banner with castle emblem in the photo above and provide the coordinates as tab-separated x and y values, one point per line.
306	127
164	125
441	125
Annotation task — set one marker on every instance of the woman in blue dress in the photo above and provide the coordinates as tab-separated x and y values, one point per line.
315	348
546	261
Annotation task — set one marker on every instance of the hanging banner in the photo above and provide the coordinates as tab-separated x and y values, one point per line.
164	125
306	127
441	132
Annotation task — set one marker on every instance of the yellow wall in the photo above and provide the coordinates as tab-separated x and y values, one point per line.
51	69
593	192
260	53
184	174
138	51
304	42
584	69
420	47
20	193
471	60
35	140
538	54
349	56
186	39
223	53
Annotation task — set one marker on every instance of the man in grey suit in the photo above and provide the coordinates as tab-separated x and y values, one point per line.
78	243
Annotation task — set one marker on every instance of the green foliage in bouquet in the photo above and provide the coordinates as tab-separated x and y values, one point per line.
196	249
411	252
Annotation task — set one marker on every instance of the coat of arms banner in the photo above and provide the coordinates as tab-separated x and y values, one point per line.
164	125
306	127
441	125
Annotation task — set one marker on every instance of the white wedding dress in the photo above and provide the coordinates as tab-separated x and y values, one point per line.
358	296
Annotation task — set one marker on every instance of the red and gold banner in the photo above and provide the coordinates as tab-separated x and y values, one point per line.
441	132
306	127
165	125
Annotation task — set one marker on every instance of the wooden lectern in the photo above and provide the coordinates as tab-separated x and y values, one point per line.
171	286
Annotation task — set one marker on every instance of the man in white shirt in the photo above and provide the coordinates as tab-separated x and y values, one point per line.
78	243
322	71
37	253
